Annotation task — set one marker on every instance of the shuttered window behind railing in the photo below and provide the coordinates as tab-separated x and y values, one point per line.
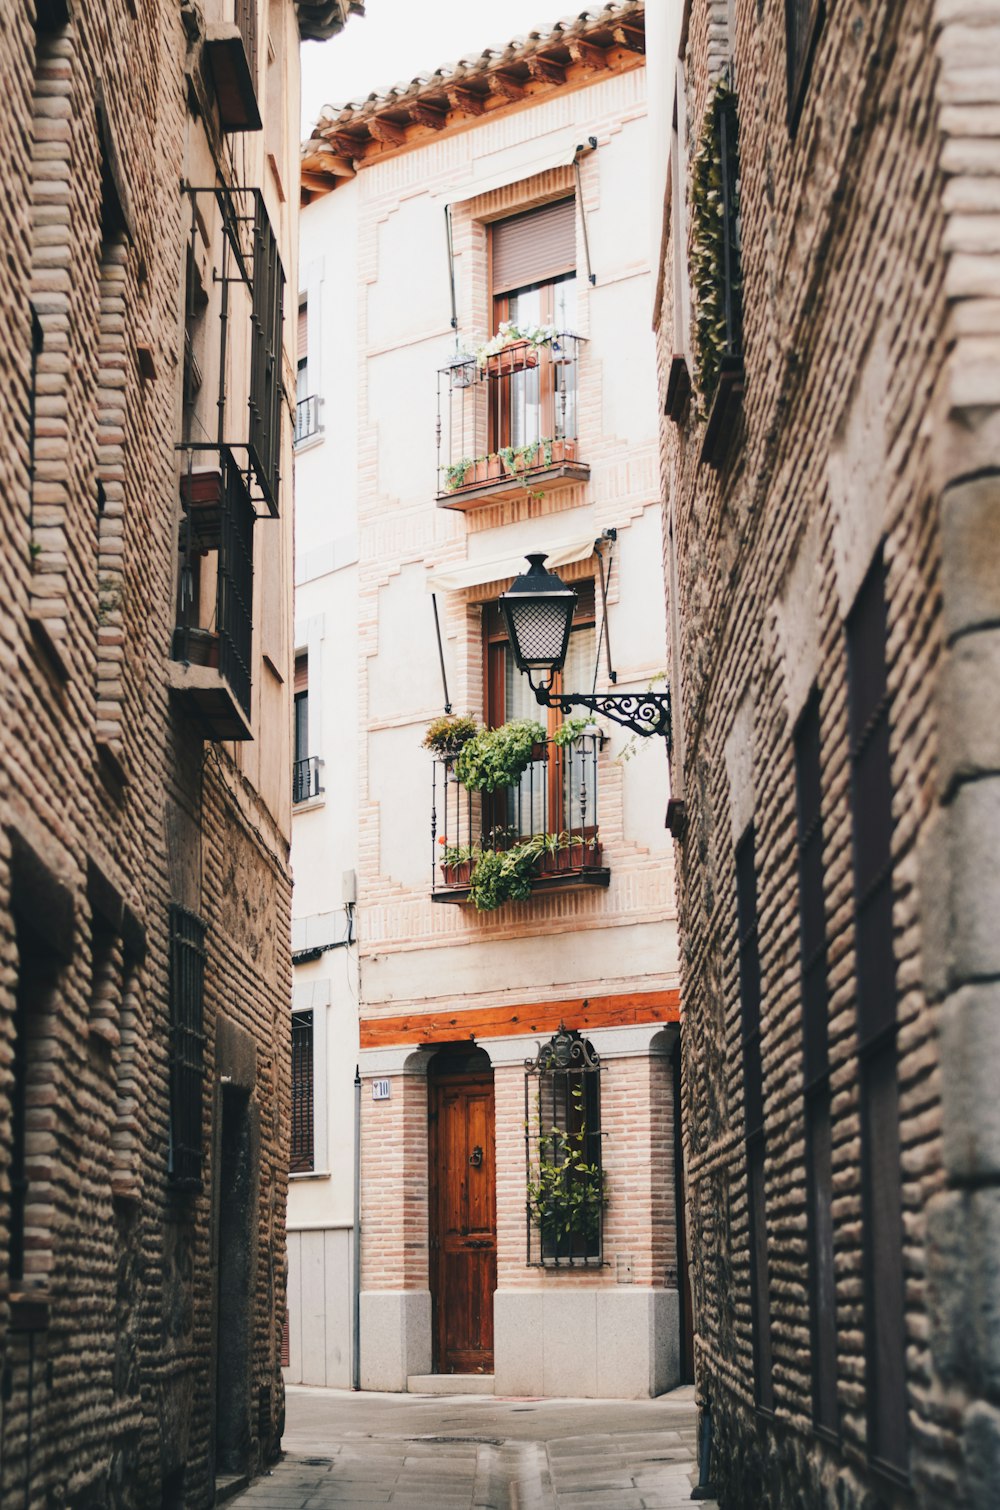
535	247
812	957
875	966
265	356
187	1046
302	1151
753	1105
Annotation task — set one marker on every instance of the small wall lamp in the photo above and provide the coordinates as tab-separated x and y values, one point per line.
538	615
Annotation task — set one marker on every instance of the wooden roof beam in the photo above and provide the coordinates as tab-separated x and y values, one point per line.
386	132
426	115
546	68
467	101
346	145
507	87
587	53
630	37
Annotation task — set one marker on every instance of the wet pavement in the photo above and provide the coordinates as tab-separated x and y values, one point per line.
480	1453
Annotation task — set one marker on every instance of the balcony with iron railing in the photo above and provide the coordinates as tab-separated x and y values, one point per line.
307	418
507	421
539	836
305	779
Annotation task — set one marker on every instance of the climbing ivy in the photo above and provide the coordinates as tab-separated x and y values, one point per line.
708	235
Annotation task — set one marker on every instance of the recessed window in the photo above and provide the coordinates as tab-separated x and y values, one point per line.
803	19
305	767
303	1097
566	1192
187	1047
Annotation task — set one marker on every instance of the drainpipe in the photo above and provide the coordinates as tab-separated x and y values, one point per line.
356	1297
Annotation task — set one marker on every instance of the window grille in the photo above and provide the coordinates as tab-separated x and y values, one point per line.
812	954
235	590
565	1176
246	20
302	1151
265	356
187	1046
732	282
753	1104
803	19
872	827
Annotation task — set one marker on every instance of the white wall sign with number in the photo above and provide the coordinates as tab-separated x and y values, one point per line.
381	1090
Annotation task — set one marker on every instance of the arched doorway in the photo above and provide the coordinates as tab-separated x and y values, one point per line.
462	1210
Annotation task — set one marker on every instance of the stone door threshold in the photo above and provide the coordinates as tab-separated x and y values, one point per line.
450	1384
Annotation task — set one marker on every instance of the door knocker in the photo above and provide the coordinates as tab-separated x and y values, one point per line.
476	1157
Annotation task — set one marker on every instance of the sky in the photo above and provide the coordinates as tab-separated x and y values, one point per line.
398	39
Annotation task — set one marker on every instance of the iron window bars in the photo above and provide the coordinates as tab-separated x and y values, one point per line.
305	778
187	1046
565	1198
249	258
307	418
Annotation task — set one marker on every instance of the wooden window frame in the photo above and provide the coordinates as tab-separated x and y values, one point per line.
753	1110
871	792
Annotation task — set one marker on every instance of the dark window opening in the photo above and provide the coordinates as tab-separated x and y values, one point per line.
36	980
872	829
187	1047
813	968
803	20
305	767
753	1101
562	1120
303	1095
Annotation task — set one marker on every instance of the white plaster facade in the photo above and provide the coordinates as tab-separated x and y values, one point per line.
370	540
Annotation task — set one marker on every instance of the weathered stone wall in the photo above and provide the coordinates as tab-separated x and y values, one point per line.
112	806
870	411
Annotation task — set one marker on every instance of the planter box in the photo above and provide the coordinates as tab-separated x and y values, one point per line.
458	874
199	647
575	857
517	357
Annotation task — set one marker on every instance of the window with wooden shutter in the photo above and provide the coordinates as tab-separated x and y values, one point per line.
303	1095
536	247
187	1046
753	1110
803	19
875	975
813	973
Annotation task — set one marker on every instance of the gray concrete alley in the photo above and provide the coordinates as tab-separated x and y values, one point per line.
480	1453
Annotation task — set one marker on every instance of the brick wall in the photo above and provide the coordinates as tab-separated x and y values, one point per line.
112	806
864	246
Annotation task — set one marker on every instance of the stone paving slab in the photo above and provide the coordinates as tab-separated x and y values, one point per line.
480	1453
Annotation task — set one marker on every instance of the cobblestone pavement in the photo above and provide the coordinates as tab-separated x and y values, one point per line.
478	1453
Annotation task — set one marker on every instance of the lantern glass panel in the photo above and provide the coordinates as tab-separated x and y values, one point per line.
540	627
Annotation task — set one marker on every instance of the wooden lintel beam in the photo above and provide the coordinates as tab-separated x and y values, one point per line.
503	1022
426	115
587	53
506	87
386	132
467	101
322	183
630	37
547	69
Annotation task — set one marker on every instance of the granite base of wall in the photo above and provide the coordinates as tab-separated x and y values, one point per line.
395	1337
596	1344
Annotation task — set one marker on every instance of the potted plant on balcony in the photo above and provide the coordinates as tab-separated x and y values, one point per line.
456	862
495	758
503	875
514	348
447	734
572	729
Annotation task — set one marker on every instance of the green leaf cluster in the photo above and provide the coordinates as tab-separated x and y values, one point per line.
565	1191
447	734
503	875
495	758
571	729
707	253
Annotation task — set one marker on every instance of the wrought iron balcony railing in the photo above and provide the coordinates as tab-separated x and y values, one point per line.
305	778
307	417
548	822
508	423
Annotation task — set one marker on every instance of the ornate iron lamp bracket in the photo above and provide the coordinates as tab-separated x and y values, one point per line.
644	713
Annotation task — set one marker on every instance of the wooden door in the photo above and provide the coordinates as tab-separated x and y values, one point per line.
463	1235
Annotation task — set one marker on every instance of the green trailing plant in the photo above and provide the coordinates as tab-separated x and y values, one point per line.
455	472
571	729
446	735
566	1191
495	758
457	854
707	255
503	875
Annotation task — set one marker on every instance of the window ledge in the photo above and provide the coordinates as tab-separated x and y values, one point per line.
309	804
310	1174
724	415
309	442
584	877
517	485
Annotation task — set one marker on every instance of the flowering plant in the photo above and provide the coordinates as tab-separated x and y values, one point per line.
508	332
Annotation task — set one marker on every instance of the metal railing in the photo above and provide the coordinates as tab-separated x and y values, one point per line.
305	778
514	414
307	417
554	805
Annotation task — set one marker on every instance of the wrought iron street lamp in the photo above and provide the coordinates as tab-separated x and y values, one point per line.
538	615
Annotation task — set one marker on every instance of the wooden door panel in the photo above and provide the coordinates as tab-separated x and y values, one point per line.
463	1222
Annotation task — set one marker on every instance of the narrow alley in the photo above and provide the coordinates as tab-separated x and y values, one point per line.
471	1452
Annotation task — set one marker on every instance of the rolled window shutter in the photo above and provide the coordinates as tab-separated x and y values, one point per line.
303	338
535	247
301	673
